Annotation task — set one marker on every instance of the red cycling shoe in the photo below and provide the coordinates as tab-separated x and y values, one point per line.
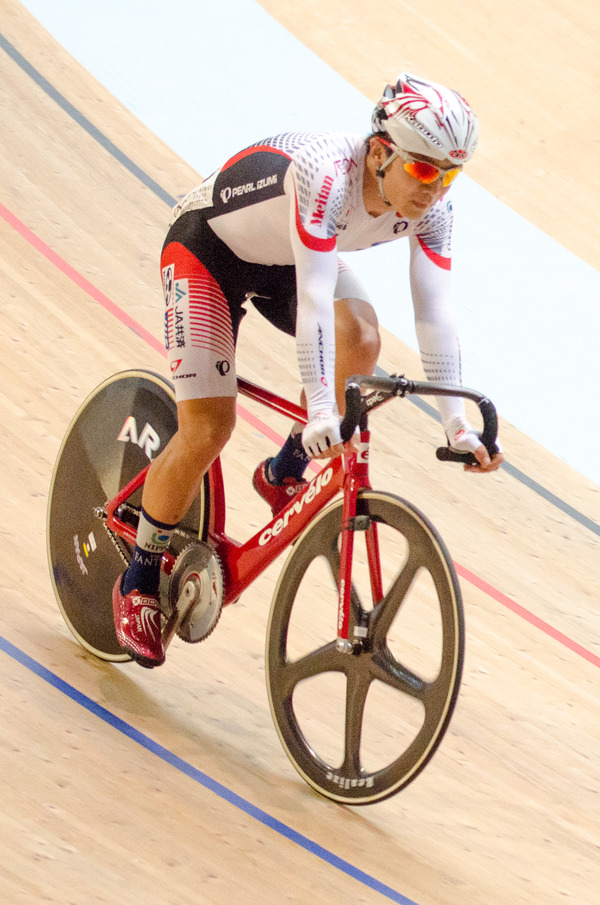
138	626
276	495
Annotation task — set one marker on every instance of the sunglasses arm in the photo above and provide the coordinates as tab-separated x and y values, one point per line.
380	173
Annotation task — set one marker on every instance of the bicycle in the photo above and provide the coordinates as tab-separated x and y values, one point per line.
365	636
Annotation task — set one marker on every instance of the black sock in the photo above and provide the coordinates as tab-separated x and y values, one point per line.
152	540
290	462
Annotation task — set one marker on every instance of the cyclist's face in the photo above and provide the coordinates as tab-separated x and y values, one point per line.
406	195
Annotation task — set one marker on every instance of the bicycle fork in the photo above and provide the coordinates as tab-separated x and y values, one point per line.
356	465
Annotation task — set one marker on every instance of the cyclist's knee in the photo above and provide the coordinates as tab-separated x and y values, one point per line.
206	425
357	334
214	436
366	343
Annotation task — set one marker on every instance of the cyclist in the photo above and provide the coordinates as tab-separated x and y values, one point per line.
267	228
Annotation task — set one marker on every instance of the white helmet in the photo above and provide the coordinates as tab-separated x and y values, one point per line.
421	117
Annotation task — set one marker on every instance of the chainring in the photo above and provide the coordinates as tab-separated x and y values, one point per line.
196	589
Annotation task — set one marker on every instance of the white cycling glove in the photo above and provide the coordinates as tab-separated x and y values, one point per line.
321	433
461	435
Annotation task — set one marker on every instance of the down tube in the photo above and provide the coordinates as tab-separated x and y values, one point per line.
242	564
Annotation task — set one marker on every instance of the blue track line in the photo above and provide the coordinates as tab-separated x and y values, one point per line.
202	778
85	124
120	725
525	479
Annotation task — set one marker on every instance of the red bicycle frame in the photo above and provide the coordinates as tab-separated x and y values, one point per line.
243	562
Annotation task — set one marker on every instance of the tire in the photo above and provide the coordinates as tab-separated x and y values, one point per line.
360	726
123	423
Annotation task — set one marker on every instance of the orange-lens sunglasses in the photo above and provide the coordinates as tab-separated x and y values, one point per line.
428	173
424	172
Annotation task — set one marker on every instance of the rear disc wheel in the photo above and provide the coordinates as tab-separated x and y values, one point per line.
122	426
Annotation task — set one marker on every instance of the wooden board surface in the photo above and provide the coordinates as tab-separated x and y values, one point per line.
530	70
507	810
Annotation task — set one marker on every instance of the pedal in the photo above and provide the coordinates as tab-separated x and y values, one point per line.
195	592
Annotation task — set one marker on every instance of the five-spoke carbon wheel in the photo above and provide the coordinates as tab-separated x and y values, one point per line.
360	726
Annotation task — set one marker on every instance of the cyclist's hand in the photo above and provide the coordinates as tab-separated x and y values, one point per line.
321	437
464	438
484	462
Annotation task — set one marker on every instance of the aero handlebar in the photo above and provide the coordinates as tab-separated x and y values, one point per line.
386	387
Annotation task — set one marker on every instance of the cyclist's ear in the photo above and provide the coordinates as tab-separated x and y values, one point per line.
377	151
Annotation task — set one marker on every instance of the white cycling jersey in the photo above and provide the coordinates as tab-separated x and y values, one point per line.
297	199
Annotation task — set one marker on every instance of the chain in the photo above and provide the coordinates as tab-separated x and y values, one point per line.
100	513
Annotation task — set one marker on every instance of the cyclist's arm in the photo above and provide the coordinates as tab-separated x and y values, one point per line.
437	336
315	256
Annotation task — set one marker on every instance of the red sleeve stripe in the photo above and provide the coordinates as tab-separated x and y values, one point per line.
440	260
310	241
248	151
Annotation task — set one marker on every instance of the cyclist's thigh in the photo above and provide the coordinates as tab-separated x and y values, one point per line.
207	420
355	317
201	322
348	285
277	300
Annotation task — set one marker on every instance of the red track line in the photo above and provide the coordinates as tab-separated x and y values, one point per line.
268	432
105	302
78	279
526	615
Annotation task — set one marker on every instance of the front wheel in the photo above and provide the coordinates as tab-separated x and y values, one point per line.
122	426
360	726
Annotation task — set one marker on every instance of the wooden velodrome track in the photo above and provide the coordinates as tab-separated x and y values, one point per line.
110	773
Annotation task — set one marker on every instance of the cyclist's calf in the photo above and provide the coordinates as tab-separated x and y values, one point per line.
174	478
